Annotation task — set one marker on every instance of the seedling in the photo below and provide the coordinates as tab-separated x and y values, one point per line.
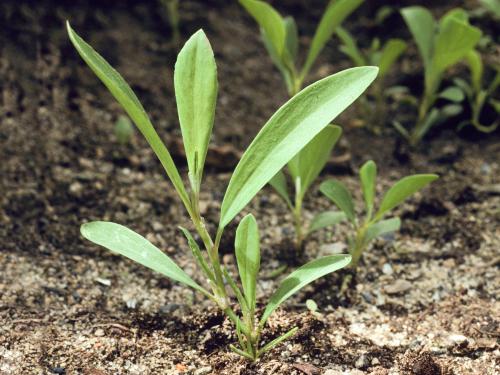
374	223
383	56
280	36
124	129
441	45
479	94
172	8
292	127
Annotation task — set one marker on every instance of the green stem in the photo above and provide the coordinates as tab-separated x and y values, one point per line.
358	246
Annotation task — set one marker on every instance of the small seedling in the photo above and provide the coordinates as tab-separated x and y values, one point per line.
124	129
384	56
374	223
441	45
172	8
479	93
291	128
281	39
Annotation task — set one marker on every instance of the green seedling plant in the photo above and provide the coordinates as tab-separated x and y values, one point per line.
124	129
479	93
279	140
441	45
384	56
172	8
374	223
281	39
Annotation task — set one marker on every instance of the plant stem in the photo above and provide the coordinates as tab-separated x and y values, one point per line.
358	246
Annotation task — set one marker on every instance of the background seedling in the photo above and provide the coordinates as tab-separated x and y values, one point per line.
384	56
124	129
172	10
281	38
374	223
441	45
291	128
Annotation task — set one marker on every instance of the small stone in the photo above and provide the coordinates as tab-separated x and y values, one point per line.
105	282
333	372
59	370
485	343
387	269
398	287
456	340
332	248
375	362
99	332
131	303
76	189
362	362
203	370
157	226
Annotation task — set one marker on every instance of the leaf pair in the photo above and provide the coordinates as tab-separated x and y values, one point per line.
374	225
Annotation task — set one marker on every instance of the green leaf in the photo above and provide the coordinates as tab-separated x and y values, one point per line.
493	6
128	243
382	227
325	219
389	54
278	182
278	341
195	80
124	129
333	17
301	277
368	176
311	160
292	127
475	64
453	94
403	189
270	22
338	194
292	38
423	27
247	248
453	41
197	254
350	48
128	100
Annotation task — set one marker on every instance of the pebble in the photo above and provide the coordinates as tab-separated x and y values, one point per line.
387	269
332	248
99	332
456	340
203	370
399	286
362	362
333	372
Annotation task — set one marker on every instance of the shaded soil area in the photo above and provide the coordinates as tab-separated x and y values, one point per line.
425	299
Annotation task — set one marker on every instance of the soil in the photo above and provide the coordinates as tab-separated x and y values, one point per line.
424	301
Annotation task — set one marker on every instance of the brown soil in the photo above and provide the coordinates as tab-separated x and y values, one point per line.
424	301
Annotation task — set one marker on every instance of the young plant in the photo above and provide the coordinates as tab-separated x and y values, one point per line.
124	129
479	94
374	223
441	45
295	124
280	36
383	56
172	8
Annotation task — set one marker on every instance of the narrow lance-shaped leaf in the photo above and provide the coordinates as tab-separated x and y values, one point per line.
301	277
349	47
423	27
476	68
198	254
292	127
195	80
333	17
132	245
270	22
292	38
310	161
247	248
389	54
278	182
382	227
368	176
338	194
403	189
325	219
128	100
